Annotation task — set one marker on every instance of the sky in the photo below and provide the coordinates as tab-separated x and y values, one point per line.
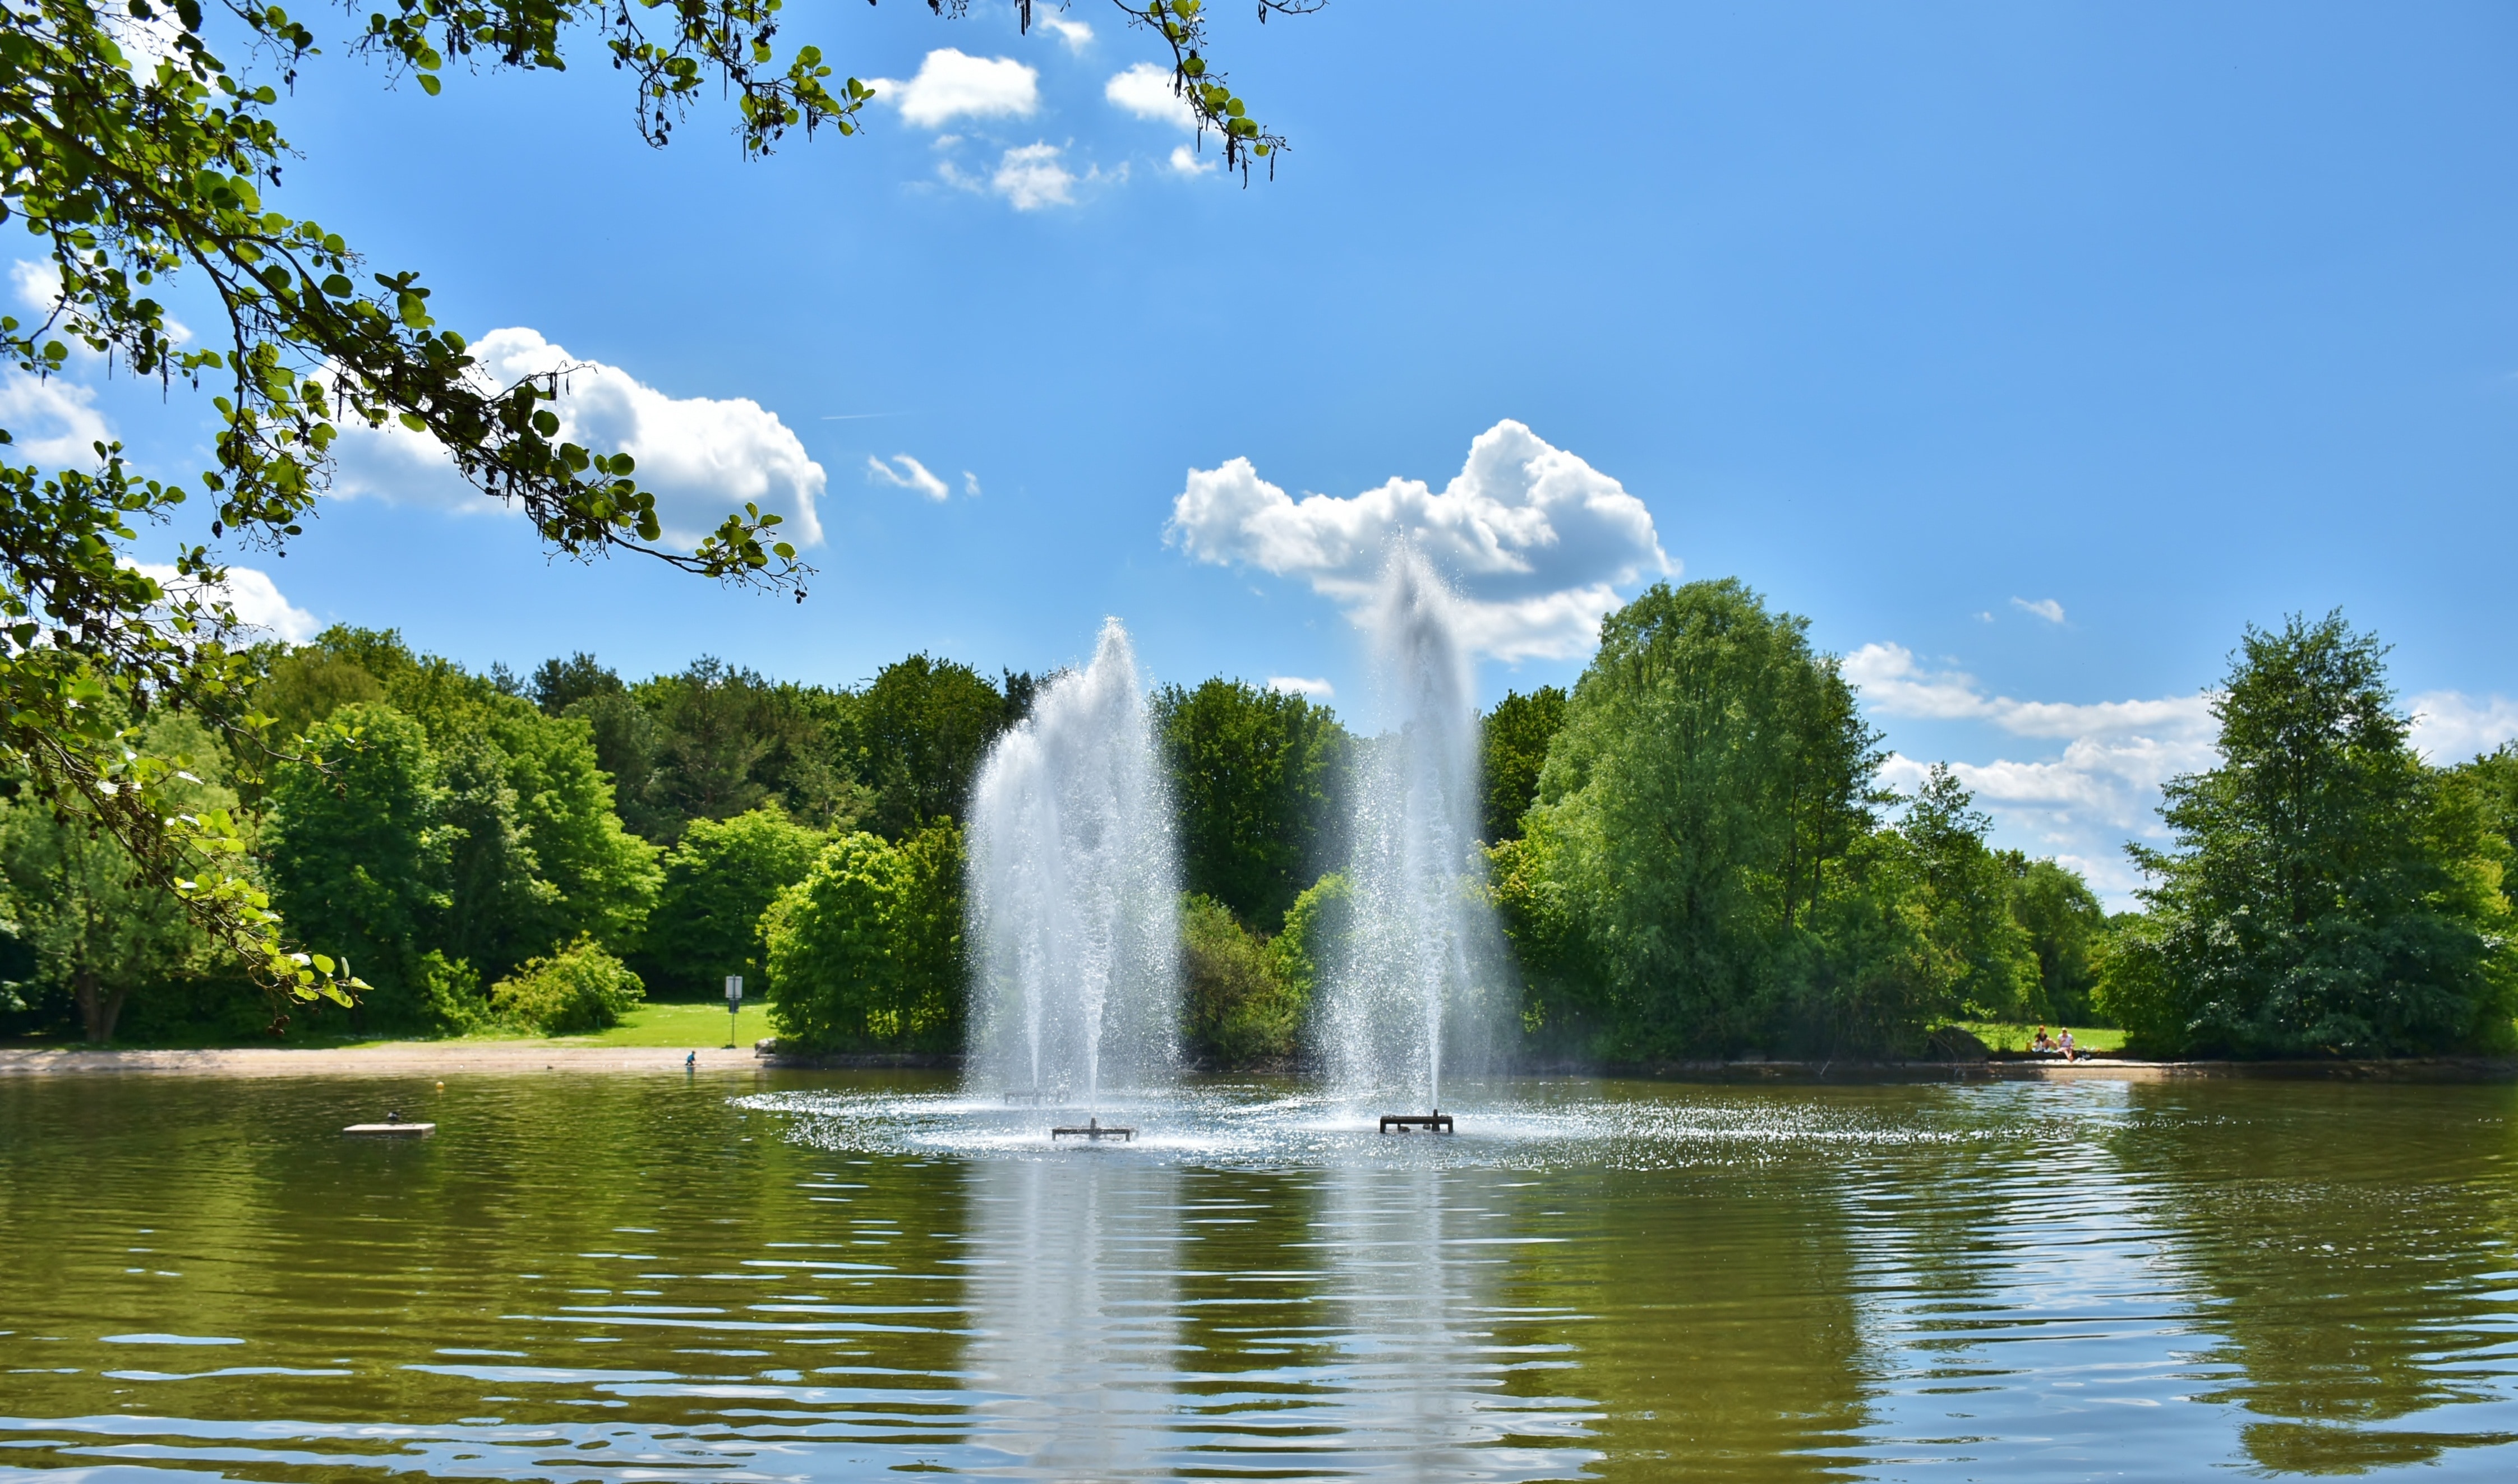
2029	352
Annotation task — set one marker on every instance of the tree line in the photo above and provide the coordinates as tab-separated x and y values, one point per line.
1691	852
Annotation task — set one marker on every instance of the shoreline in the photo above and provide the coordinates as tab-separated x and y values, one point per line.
526	1058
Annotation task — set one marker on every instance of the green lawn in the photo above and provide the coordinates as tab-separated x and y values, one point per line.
1998	1037
681	1025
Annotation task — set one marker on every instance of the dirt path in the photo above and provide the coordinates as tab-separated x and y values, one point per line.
391	1059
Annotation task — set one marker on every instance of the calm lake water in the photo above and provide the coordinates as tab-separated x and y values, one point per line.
827	1277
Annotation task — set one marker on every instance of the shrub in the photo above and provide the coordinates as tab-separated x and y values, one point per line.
580	988
865	952
1240	1009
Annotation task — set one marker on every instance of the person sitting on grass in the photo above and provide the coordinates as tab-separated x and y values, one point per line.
2064	1043
2043	1044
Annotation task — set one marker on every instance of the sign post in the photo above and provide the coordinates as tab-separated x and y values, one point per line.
733	1007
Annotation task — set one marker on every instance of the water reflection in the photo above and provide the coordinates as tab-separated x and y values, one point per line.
1074	1321
2351	1246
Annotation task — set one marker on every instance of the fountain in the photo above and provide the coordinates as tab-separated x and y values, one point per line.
1411	993
1075	894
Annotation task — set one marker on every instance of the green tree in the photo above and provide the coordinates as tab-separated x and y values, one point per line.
1514	748
1255	775
865	952
99	929
719	879
2327	892
1966	892
917	736
2067	928
1238	1010
138	173
1709	775
358	855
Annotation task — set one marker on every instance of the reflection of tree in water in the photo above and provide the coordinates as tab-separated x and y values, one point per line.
1717	1324
2355	1243
1074	1318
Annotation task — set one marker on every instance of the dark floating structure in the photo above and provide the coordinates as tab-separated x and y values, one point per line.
393	1127
1437	1122
1094	1130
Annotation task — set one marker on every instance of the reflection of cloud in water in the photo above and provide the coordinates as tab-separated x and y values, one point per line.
1075	1316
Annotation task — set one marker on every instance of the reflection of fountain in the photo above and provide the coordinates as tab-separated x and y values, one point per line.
1074	1317
1073	889
1410	991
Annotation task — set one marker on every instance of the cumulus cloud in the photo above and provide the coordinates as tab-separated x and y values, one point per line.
55	423
1075	33
2078	804
952	85
1188	161
1030	177
252	595
1146	90
1298	684
906	473
1534	539
704	457
2449	726
2044	607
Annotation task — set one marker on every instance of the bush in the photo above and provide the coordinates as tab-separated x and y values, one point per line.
1240	1009
580	988
865	952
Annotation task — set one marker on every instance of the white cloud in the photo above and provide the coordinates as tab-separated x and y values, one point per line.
906	473
703	458
2044	607
1296	685
951	85
250	592
38	285
2449	726
2080	805
55	422
1075	33
1533	539
969	483
1146	90
1030	177
1188	161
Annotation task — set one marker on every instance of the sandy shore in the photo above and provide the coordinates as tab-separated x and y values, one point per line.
391	1059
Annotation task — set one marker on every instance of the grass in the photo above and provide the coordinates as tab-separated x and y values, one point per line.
1999	1036
692	1025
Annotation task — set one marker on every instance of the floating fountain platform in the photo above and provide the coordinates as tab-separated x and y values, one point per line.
1094	1130
1409	1123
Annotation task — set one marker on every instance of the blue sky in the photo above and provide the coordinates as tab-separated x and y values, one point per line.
2030	351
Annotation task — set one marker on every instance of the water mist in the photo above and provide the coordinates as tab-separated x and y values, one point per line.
1074	893
1412	993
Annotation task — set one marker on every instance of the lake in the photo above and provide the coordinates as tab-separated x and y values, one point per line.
827	1276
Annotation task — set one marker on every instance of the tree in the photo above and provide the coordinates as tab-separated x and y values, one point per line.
140	171
1238	1010
719	879
918	735
1513	746
2066	927
1709	772
358	855
2327	892
98	928
1965	890
865	950
1255	776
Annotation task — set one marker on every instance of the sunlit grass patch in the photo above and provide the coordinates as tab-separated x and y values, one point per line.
1998	1036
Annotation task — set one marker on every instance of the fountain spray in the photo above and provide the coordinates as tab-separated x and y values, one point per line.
1074	893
